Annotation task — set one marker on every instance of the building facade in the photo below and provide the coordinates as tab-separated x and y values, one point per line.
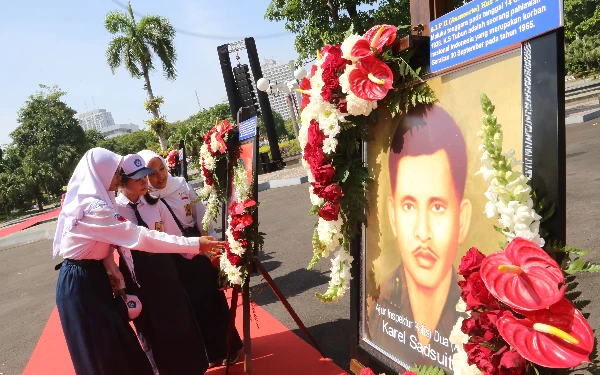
96	119
102	120
280	73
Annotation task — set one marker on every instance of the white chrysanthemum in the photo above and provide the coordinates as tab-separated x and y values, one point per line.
329	145
457	337
303	135
234	274
347	46
360	107
209	163
204	151
236	248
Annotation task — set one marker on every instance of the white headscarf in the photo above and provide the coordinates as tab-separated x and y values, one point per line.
173	183
88	186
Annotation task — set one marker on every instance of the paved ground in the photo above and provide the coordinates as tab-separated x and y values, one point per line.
28	277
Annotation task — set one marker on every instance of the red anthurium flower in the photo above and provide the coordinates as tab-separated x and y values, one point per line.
523	276
249	203
374	40
372	79
304	90
557	337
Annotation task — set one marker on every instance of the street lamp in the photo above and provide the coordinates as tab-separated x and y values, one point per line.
286	88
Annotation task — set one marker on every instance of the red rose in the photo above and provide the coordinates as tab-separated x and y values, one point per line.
327	94
233	258
367	371
475	293
512	363
330	79
314	156
324	174
482	358
318	188
315	134
470	327
487	322
244	243
210	181
330	193
237	234
334	59
330	211
343	106
471	262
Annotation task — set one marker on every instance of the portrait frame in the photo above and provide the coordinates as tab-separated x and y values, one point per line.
543	156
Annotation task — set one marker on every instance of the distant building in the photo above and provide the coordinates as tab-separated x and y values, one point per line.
118	129
103	121
280	73
96	119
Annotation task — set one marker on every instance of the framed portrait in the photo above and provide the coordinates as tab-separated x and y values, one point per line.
427	202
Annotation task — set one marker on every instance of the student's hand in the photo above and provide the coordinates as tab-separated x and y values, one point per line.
210	246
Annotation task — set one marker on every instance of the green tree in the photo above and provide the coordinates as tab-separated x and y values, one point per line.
583	54
94	137
47	144
134	46
582	18
280	128
317	22
131	143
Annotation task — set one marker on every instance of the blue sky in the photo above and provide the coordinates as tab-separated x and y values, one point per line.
64	42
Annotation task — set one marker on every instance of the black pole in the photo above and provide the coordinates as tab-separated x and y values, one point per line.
265	106
232	93
184	161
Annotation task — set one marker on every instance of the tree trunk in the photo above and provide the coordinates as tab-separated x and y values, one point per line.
333	10
40	202
161	137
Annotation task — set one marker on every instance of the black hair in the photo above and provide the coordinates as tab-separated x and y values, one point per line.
423	131
149	198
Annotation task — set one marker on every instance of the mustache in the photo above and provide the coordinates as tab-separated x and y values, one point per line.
424	250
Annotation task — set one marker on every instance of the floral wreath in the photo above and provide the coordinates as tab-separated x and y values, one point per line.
212	151
347	83
242	233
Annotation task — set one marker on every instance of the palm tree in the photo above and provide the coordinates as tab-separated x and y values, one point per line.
134	45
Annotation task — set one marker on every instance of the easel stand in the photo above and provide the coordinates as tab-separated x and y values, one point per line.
246	319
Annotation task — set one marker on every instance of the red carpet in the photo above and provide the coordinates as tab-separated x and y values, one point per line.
275	350
29	222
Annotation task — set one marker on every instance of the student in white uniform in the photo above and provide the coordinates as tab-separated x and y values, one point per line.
198	276
166	326
99	339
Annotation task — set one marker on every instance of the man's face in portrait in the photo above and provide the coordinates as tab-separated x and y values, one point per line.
429	218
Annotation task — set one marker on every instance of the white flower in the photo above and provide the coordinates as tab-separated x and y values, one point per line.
314	199
461	366
330	126
461	305
457	337
214	143
329	145
209	163
345	78
303	135
329	232
360	107
347	46
490	210
234	275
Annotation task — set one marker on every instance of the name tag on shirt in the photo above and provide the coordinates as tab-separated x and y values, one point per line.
188	209
158	226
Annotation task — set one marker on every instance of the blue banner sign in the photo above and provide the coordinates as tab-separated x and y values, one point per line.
484	26
248	128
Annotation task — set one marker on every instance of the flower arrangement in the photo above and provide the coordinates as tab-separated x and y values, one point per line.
212	151
171	159
242	231
348	81
519	313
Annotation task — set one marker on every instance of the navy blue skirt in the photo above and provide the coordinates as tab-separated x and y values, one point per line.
167	324
99	339
200	280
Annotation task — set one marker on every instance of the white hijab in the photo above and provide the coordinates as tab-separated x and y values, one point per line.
173	183
88	185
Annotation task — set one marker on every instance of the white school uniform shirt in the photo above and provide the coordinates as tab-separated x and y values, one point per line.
157	216
93	236
182	203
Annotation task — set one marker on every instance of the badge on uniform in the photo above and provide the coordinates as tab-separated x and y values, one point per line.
188	209
158	226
